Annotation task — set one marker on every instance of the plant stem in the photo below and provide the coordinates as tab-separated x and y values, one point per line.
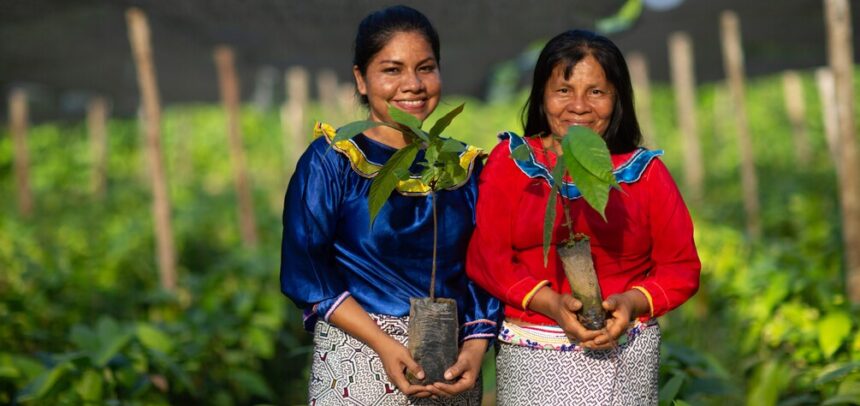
435	232
567	221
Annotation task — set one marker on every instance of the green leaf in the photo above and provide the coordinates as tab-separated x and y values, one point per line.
386	179
833	329
445	121
550	213
153	338
43	384
594	190
112	338
589	149
521	153
452	145
834	372
402	173
670	390
402	117
89	386
354	128
253	382
679	402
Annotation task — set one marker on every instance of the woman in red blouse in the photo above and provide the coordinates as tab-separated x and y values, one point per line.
643	253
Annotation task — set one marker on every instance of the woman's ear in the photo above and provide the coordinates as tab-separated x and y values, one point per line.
359	81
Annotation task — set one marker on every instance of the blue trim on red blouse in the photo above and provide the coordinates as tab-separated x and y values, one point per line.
628	172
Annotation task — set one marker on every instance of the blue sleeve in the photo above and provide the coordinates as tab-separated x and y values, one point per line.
483	312
309	276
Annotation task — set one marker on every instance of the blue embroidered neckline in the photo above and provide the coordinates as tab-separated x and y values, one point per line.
629	172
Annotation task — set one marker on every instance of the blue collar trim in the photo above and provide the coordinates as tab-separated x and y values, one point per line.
628	172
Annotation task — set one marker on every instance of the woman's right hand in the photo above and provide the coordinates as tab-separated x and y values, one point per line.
562	309
397	361
351	318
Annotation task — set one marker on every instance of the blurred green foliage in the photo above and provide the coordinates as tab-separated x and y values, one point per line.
85	322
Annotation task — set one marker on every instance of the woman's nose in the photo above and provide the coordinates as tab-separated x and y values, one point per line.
412	82
579	104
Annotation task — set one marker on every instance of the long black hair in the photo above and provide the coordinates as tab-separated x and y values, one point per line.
377	28
568	49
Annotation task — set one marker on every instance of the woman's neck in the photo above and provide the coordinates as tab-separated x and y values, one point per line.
549	143
388	136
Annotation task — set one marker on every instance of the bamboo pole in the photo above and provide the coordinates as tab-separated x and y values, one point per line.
639	74
229	85
684	82
795	107
733	61
327	92
293	115
97	128
19	124
840	54
346	101
138	35
827	95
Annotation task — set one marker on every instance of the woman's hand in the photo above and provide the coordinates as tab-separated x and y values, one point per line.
622	308
351	318
465	371
396	360
562	309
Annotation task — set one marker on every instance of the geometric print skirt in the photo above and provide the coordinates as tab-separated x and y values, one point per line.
533	374
345	371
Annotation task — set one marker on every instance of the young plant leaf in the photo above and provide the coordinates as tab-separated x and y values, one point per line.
402	117
594	190
409	121
354	128
590	150
445	121
549	215
587	159
521	153
386	179
452	145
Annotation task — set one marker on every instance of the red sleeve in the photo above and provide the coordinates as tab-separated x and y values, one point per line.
491	260
674	277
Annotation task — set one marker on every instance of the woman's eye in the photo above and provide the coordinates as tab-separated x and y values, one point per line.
564	90
390	70
428	68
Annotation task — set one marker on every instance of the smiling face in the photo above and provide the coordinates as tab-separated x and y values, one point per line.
405	74
585	98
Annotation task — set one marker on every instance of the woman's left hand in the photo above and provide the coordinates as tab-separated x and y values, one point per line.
622	308
464	373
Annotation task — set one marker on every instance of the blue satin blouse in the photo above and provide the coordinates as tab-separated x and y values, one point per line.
329	250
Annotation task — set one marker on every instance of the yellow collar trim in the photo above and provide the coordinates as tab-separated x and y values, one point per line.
368	169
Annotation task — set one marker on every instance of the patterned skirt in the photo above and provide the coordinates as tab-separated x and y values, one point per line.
533	367
345	371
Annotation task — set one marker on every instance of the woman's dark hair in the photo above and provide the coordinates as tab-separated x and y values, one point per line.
376	30
567	49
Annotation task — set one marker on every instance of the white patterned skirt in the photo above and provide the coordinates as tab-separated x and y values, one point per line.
534	366
345	371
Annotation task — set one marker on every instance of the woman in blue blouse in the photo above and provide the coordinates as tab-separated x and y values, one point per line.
354	280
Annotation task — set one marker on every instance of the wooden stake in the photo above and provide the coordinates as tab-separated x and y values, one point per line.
840	50
19	124
97	128
229	85
830	119
327	92
138	35
639	74
733	61
293	115
346	101
684	82
796	110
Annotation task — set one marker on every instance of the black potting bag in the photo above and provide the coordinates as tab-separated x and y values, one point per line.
433	330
